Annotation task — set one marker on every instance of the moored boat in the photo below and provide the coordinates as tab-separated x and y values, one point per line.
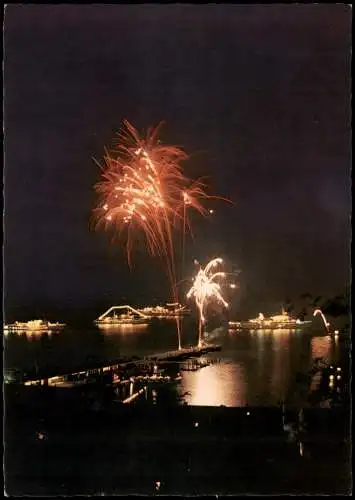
36	325
279	321
122	319
130	316
174	310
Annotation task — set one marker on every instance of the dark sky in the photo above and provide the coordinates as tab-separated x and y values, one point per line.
258	95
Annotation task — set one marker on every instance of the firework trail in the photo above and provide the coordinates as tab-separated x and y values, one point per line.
144	189
319	312
205	288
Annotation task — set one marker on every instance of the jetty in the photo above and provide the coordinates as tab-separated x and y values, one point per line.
185	353
99	368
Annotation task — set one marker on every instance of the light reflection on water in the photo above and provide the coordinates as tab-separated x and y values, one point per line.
215	385
122	329
281	363
323	347
256	368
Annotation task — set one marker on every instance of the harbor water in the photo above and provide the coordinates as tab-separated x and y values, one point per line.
253	368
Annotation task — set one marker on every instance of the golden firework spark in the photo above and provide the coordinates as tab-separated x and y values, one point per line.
144	187
205	288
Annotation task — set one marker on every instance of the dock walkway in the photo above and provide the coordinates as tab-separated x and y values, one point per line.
47	377
184	353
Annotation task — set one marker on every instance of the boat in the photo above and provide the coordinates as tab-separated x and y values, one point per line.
33	326
122	319
235	325
131	317
174	310
279	321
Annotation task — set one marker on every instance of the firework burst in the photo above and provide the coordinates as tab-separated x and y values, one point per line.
143	187
205	288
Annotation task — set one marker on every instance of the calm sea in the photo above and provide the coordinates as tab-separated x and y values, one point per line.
254	368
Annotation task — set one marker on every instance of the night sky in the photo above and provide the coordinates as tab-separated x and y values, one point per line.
259	96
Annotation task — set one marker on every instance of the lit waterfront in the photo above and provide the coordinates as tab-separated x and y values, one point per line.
255	368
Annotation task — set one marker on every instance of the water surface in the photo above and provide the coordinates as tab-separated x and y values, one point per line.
256	368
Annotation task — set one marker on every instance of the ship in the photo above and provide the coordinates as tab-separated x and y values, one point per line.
33	326
131	317
279	321
174	310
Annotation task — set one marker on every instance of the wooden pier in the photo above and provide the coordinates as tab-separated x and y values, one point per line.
192	365
61	379
185	353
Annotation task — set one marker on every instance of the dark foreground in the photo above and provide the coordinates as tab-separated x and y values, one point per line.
167	449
